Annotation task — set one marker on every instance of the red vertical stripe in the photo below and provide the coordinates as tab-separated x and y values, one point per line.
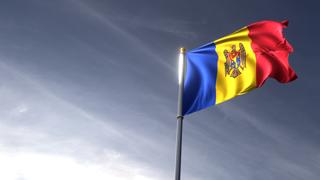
272	51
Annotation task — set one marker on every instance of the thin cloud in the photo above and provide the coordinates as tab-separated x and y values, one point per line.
174	27
127	35
49	122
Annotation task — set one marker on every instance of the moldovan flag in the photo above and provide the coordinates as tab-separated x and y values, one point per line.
236	64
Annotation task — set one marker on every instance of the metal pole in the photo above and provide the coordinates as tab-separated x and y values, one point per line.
179	113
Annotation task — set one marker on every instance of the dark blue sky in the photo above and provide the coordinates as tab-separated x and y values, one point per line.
88	90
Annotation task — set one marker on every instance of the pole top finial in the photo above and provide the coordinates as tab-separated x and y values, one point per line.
183	50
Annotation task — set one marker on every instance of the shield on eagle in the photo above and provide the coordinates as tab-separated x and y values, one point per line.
235	60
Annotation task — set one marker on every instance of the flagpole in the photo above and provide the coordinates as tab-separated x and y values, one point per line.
181	72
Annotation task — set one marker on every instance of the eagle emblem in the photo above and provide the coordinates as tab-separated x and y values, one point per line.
235	61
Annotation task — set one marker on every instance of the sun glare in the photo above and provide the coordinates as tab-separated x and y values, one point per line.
34	166
180	67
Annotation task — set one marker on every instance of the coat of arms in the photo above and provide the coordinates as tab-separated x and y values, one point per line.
235	61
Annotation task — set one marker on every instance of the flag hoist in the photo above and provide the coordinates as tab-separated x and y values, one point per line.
181	75
229	67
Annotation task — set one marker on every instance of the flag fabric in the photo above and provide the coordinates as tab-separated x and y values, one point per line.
236	64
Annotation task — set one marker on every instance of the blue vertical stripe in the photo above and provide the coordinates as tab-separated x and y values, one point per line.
200	79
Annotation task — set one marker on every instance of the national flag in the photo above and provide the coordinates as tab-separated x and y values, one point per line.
236	64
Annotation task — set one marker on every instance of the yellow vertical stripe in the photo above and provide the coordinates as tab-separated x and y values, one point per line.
235	83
